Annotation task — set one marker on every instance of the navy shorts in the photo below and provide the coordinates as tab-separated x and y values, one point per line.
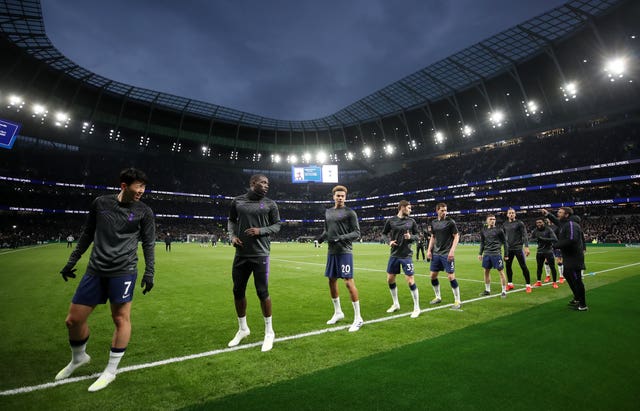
441	263
395	263
339	266
493	261
94	290
557	253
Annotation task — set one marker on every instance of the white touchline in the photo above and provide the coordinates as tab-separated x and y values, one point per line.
32	388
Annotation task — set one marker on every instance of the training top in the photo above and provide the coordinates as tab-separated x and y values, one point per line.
253	210
341	228
571	243
443	230
115	228
516	234
492	240
394	229
546	239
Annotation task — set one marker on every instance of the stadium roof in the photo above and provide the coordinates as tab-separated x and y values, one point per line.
22	23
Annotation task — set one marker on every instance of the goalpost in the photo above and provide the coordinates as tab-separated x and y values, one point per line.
202	239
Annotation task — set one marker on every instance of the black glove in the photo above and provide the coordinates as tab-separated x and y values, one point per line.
146	283
319	239
68	272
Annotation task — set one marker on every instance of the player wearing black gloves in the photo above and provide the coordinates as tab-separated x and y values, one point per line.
114	225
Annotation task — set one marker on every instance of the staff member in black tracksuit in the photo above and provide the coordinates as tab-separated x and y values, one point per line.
571	243
252	219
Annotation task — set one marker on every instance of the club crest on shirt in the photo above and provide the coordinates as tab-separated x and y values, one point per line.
131	215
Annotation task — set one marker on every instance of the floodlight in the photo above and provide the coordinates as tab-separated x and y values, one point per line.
569	90
467	130
321	157
39	109
15	100
306	157
349	155
439	137
389	149
292	159
615	68
366	151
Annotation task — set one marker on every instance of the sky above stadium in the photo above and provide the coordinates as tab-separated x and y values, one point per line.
285	59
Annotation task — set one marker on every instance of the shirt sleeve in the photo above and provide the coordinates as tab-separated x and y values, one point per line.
148	236
274	220
87	236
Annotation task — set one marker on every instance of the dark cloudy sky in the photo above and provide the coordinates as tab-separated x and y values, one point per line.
292	60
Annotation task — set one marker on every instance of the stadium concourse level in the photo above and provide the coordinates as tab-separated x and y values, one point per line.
209	188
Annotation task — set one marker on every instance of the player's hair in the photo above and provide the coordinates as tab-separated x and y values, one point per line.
130	175
440	205
255	178
511	208
490	215
540	219
403	203
339	188
567	210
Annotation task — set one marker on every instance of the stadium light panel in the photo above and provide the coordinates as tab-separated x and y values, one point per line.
439	137
306	157
497	118
366	151
321	157
615	68
389	149
275	158
569	90
15	101
39	110
349	155
292	159
467	130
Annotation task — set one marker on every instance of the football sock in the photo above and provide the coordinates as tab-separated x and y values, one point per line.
487	287
547	270
268	328
561	269
415	295
115	356
456	290
436	287
336	305
78	349
242	323
393	288
356	309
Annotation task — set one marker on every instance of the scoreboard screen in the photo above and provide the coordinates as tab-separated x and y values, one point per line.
327	173
8	132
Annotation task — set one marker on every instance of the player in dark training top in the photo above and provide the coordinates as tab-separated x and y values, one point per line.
441	251
341	228
252	219
517	247
492	241
544	255
115	224
401	231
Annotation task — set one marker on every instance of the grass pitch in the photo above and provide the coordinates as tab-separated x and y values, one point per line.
522	352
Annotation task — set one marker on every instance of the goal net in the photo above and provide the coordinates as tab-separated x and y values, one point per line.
199	238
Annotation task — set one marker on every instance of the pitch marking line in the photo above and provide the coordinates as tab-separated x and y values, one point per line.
32	388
